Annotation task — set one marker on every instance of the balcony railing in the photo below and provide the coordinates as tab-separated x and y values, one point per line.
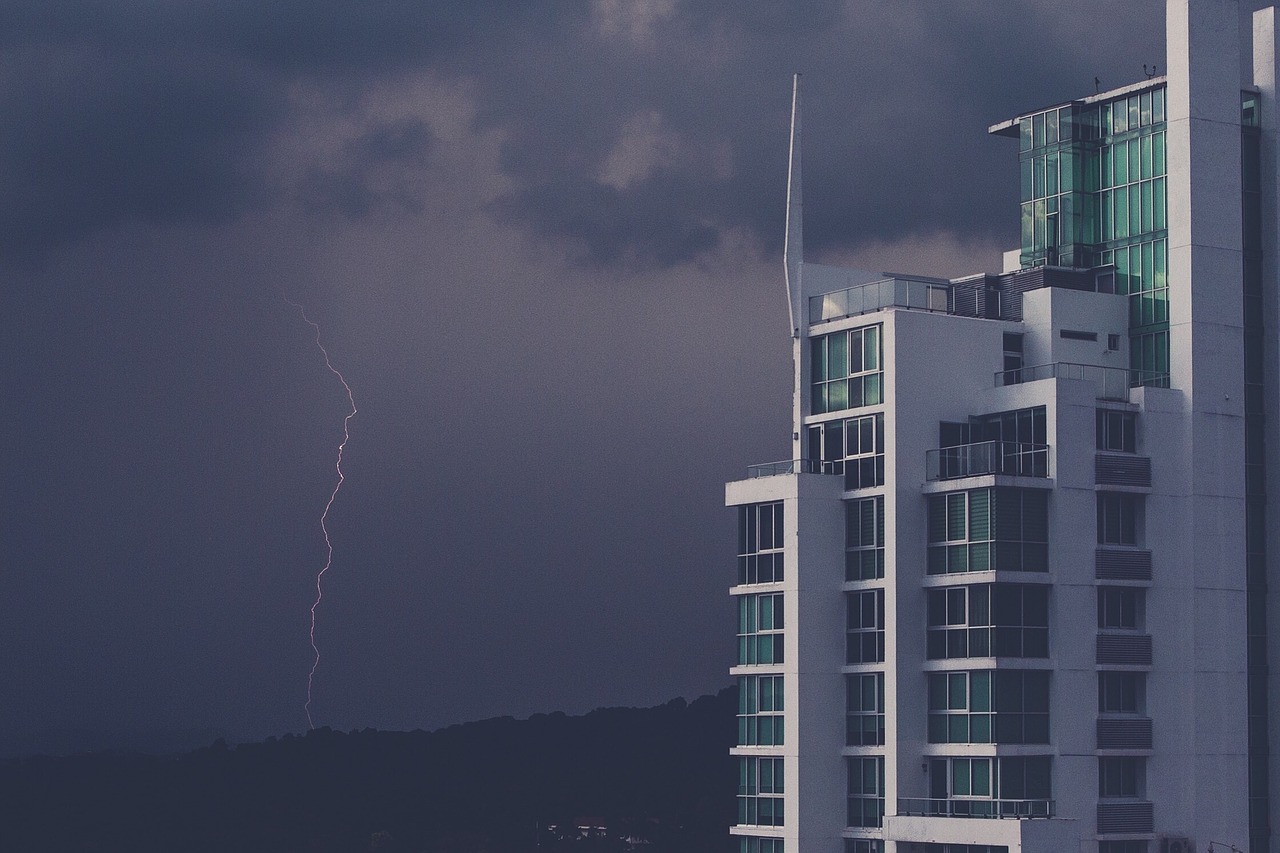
987	457
1113	382
786	466
902	292
1009	809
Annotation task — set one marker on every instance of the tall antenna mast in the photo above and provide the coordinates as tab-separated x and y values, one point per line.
793	245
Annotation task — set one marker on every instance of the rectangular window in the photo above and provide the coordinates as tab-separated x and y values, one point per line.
1012	351
853	447
1122	777
1019	426
760	788
864	539
976	779
1004	706
1121	692
988	620
866	790
865	639
760	629
1026	778
846	370
971	777
751	844
760	720
864	845
864	703
1119	607
1118	518
983	529
760	543
1117	432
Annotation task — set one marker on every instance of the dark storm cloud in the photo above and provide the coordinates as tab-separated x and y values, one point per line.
349	187
133	112
91	139
540	447
167	113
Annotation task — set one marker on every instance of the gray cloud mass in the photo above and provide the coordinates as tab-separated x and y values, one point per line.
542	242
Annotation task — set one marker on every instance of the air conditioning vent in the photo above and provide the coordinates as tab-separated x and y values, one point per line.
1124	649
1113	470
1114	564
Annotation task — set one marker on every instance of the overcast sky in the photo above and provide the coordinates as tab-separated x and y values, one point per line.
542	242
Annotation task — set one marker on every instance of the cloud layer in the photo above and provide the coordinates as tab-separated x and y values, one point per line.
542	242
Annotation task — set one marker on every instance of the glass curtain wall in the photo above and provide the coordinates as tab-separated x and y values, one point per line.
1093	194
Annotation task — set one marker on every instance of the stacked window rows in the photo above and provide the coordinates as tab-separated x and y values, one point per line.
988	529
760	696
846	372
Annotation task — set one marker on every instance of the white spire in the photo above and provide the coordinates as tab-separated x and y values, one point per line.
793	246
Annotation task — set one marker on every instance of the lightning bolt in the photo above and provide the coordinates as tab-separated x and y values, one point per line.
324	516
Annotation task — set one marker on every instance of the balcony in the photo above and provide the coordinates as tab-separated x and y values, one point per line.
865	298
987	457
1006	809
1113	383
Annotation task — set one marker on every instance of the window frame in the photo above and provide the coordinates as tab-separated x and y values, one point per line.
864	626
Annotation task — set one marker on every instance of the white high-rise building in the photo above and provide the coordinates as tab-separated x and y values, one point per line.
1010	591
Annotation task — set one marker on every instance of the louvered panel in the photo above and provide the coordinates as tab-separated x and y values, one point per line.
1116	565
1124	734
1125	817
1124	649
1114	470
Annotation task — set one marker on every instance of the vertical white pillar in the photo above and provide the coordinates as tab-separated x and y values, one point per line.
1198	773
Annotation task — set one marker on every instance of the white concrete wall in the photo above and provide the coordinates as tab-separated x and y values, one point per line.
1046	312
1196	608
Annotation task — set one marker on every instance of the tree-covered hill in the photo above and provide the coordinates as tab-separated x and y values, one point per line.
654	779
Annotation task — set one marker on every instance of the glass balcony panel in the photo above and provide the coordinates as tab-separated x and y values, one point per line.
987	457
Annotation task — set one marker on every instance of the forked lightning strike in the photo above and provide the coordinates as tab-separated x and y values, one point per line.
324	516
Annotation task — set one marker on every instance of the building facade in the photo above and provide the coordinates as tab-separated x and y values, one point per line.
1009	593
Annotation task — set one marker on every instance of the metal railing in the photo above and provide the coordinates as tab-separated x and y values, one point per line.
901	292
1113	382
987	457
785	466
1008	809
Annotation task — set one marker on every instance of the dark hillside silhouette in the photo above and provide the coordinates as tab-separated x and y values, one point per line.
610	780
